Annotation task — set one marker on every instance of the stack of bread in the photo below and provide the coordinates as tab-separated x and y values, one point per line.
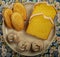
42	20
15	17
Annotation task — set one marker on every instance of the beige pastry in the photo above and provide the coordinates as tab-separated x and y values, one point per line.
37	45
24	46
12	37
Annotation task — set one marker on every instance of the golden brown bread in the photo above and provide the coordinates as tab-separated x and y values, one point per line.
7	17
18	7
46	9
40	26
17	21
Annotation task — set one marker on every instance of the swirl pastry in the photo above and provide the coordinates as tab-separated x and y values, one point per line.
13	37
37	46
24	46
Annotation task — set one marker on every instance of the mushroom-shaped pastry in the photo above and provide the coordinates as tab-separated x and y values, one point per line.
13	38
24	46
37	46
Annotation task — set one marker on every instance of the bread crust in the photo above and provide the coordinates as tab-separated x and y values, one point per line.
18	7
17	21
7	17
45	3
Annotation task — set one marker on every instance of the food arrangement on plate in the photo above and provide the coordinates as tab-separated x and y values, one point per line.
39	31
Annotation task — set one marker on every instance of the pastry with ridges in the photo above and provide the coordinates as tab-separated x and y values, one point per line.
17	21
18	7
7	17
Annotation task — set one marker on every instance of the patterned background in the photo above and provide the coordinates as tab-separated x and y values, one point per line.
53	50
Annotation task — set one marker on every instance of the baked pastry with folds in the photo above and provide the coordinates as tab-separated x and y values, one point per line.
12	37
37	47
17	21
7	17
45	8
24	46
40	26
18	7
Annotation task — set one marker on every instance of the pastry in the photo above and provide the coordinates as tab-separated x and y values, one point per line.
40	26
13	38
23	46
46	9
7	17
37	46
17	21
18	7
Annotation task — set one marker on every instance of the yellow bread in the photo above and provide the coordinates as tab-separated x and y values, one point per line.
17	21
39	26
45	8
18	7
7	17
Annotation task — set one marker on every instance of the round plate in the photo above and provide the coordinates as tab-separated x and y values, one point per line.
29	8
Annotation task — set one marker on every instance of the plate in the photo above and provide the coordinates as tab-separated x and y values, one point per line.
23	36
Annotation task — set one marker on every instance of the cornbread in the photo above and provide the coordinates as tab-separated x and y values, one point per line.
17	21
7	17
40	26
46	9
18	7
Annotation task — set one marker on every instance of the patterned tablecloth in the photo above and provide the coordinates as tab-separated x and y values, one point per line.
52	51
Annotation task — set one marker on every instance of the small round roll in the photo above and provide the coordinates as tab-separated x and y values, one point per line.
24	46
37	46
13	38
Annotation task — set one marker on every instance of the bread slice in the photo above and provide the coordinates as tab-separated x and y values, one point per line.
18	7
45	8
40	26
17	21
7	17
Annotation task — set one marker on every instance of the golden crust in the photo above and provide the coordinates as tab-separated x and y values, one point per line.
18	7
45	8
40	26
7	17
17	21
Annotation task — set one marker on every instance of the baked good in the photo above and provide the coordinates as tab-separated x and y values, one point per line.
45	8
17	21
37	45
24	46
40	26
18	7
7	17
12	37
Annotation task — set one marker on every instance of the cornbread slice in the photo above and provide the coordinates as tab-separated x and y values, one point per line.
39	26
18	7
46	9
17	21
7	17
